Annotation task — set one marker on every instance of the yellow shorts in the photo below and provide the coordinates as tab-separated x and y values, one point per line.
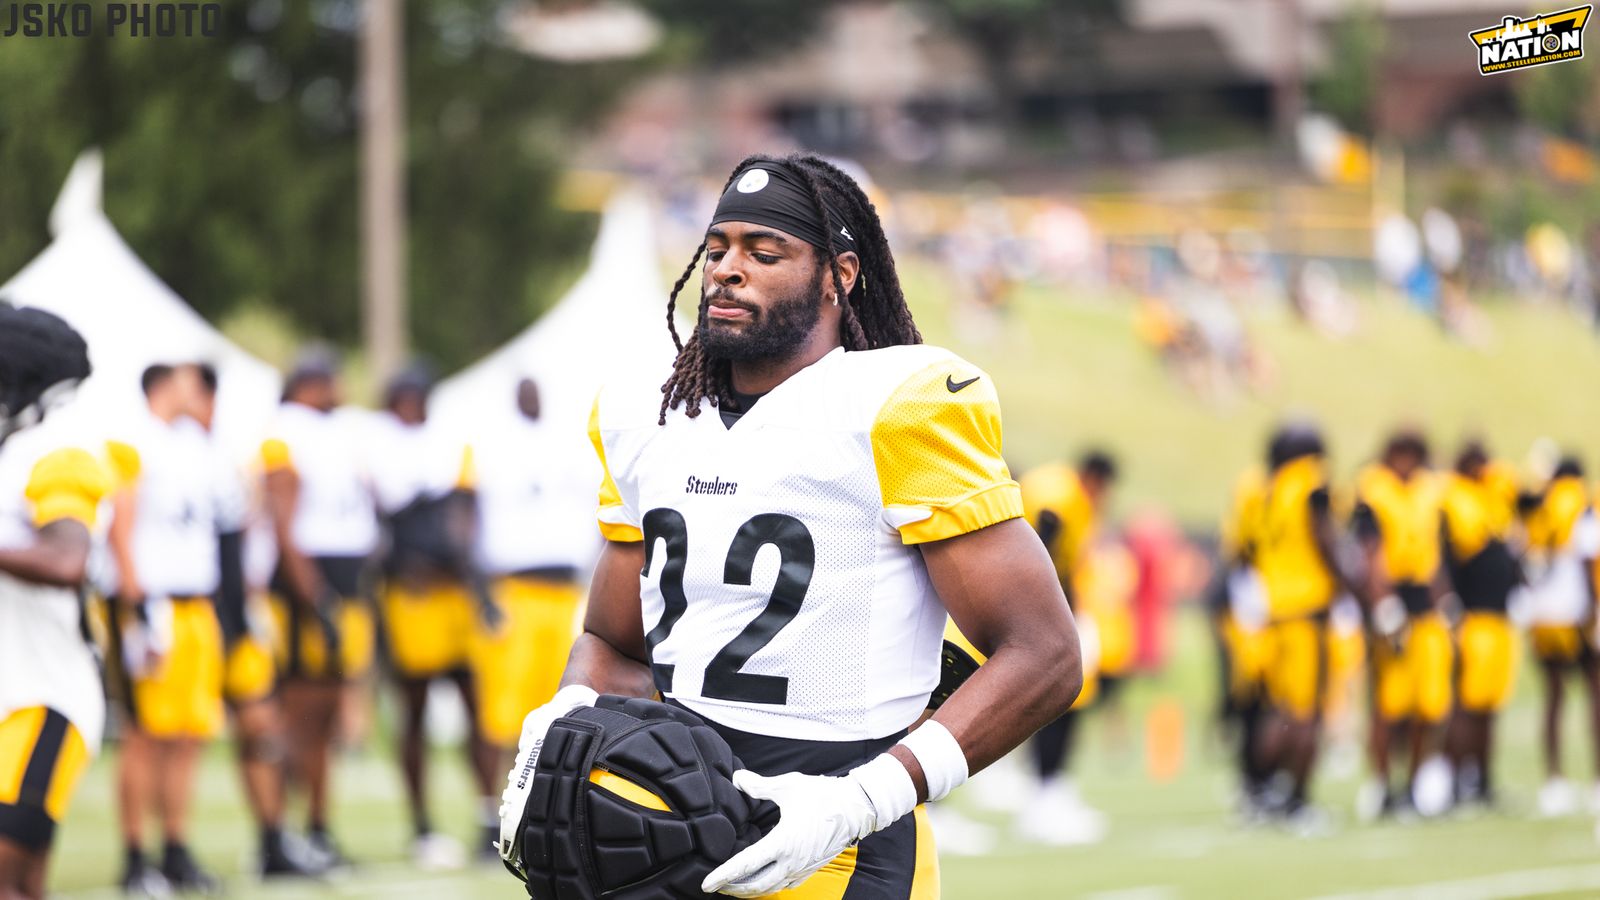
302	651
41	758
248	673
898	862
1248	655
1414	683
520	667
1488	661
1562	644
1296	666
181	697
1116	640
429	630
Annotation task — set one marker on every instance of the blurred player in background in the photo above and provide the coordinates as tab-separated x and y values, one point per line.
1478	511
1065	506
167	653
433	594
323	522
1563	542
534	541
51	707
249	676
1396	521
1239	617
1296	554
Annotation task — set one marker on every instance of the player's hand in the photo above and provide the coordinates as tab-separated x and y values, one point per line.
326	611
819	816
1389	616
519	780
490	616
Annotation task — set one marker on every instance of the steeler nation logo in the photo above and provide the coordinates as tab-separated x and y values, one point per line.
1535	41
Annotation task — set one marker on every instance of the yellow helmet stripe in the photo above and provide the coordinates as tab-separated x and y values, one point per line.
627	790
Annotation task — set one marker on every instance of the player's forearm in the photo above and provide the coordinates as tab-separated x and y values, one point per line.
59	558
1034	679
594	662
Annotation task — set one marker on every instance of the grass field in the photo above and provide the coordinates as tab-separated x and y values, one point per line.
1167	841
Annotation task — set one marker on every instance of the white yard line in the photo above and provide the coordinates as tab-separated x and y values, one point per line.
1520	883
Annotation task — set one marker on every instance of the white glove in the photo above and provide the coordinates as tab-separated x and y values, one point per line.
819	816
519	781
1389	616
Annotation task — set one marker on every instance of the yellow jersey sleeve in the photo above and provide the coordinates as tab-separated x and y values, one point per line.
124	461
617	523
275	456
467	474
67	484
936	444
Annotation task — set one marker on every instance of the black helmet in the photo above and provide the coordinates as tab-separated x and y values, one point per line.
38	351
632	800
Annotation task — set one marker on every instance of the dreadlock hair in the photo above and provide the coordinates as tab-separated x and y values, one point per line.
873	314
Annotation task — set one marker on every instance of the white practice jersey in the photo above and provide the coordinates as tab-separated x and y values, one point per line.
180	494
1560	589
412	462
535	499
334	515
44	660
784	593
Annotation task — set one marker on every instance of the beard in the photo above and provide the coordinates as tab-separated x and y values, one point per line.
773	333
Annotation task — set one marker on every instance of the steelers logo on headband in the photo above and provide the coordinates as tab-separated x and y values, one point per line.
771	194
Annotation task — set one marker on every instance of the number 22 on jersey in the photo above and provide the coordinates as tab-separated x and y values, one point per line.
797	554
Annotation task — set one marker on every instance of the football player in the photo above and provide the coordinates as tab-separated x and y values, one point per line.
1396	521
1563	543
51	711
788	522
1297	557
166	642
1478	517
433	593
1065	504
325	529
535	540
249	677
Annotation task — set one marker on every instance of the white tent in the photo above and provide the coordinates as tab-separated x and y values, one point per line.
610	326
131	319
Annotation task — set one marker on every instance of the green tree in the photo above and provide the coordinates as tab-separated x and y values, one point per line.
1348	87
231	162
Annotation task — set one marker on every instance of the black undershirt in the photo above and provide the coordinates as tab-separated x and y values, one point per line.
743	401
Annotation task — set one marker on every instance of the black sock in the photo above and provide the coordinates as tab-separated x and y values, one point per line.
172	853
271	841
133	857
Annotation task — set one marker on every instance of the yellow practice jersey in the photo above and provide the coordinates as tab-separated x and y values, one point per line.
1551	524
1297	579
1476	512
1058	508
1407	515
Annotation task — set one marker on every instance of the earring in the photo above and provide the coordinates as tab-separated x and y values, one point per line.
835	299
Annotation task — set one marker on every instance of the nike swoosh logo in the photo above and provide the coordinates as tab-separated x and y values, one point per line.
952	385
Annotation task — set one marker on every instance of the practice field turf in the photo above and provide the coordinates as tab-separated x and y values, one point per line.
1167	841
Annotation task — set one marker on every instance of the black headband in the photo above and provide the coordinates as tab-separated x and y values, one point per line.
768	193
